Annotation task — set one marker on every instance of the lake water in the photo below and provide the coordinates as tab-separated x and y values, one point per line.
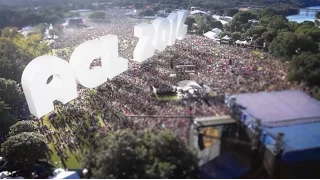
303	15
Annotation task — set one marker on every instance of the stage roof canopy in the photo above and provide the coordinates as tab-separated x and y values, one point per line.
301	142
281	108
293	113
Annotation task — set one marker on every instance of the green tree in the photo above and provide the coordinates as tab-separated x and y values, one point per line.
190	21
287	44
231	12
6	119
10	32
269	35
12	94
23	150
278	23
224	33
256	31
3	106
305	67
207	23
97	16
142	154
240	21
309	30
10	55
236	35
22	126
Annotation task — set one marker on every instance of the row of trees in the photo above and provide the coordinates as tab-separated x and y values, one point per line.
290	41
16	52
21	17
143	154
121	154
215	5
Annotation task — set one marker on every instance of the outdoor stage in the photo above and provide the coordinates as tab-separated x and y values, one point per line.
287	126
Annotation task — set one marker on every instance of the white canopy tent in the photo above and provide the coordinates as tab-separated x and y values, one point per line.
226	37
186	85
242	42
216	30
66	175
211	35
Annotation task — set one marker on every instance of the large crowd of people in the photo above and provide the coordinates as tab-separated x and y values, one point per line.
226	69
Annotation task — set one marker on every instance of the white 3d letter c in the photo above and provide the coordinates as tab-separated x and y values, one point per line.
81	59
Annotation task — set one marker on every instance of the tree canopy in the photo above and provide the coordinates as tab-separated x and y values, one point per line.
207	23
23	150
6	118
287	44
22	126
142	154
305	67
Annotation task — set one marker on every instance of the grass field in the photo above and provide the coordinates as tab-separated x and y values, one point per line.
72	162
167	98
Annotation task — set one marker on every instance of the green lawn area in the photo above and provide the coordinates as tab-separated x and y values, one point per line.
72	162
167	98
257	52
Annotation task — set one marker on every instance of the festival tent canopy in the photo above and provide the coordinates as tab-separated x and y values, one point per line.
216	30
187	84
226	37
197	12
211	35
67	175
242	42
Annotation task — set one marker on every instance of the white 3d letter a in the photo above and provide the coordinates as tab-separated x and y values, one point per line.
39	94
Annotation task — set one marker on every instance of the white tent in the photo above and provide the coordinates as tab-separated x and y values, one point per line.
226	37
245	43
238	42
197	12
188	84
216	30
211	35
67	175
242	42
4	174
